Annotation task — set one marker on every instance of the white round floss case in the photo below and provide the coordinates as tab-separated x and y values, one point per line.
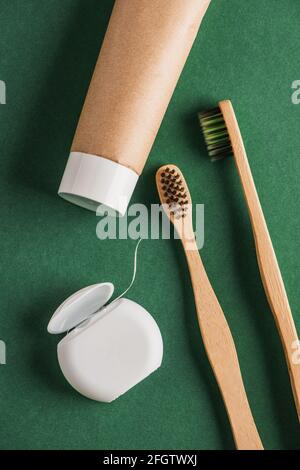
110	348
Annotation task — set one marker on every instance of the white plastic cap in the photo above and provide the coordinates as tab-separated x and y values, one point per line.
89	181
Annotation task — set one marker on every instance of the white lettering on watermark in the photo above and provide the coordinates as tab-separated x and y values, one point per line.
2	353
2	92
139	222
296	353
296	93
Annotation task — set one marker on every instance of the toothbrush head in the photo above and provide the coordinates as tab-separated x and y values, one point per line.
216	134
173	192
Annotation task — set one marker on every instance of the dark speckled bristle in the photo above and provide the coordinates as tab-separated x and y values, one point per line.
174	193
215	134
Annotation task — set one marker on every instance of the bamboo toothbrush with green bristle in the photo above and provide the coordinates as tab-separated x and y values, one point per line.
223	138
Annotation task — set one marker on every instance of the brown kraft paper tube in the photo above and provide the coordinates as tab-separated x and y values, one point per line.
144	51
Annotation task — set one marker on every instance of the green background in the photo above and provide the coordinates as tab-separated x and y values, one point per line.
247	51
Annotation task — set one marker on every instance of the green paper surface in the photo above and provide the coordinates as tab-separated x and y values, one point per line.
247	51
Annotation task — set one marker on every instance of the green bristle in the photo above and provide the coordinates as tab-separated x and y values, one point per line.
215	134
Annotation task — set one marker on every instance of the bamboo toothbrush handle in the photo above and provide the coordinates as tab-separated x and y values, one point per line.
268	265
270	274
222	354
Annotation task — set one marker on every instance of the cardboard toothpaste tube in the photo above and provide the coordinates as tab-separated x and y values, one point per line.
144	51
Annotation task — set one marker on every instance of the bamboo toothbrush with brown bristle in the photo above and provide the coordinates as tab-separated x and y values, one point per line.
176	200
223	138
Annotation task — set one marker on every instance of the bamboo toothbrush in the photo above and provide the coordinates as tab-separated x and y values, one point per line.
176	200
223	138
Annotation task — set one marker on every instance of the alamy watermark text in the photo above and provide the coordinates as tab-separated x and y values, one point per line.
151	223
2	92
296	92
2	353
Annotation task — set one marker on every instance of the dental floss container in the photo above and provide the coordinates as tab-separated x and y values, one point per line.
108	349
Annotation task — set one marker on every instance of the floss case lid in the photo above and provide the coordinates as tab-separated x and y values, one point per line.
79	306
